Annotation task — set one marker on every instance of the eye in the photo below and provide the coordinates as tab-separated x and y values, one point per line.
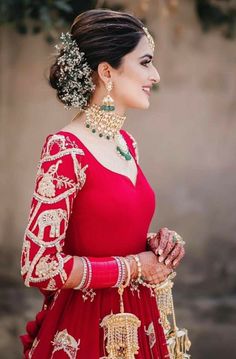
145	63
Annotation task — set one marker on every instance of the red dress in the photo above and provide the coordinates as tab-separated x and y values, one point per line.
80	207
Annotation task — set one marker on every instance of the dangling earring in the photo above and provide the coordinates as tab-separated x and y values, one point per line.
108	102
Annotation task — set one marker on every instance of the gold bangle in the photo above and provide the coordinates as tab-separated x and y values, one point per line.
137	260
150	236
128	273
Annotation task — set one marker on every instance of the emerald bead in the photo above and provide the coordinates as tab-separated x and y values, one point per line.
87	125
93	130
100	135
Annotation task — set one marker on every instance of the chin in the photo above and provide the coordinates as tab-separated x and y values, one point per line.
141	105
144	105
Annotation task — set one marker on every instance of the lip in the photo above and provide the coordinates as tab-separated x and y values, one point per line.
147	89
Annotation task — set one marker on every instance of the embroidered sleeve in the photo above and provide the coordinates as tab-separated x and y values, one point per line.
135	146
59	177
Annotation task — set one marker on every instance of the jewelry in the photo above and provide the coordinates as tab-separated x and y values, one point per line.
128	273
108	124
150	236
89	273
121	268
121	329
137	260
75	84
150	38
178	239
84	277
108	102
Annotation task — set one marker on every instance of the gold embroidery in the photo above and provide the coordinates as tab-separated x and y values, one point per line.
51	285
25	257
34	345
64	341
43	266
46	267
46	186
150	332
52	218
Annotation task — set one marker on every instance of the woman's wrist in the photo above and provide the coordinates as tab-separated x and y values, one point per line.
133	267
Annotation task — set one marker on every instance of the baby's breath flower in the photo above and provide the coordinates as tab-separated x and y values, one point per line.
75	82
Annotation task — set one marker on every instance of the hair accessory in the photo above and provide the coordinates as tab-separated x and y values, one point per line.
150	38
75	82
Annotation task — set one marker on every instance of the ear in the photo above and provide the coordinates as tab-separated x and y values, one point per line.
104	72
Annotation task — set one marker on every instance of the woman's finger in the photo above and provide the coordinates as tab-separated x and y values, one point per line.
180	256
174	254
163	235
169	246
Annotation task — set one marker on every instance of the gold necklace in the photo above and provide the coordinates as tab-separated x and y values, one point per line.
108	124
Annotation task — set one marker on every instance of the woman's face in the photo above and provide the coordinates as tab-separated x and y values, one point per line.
133	80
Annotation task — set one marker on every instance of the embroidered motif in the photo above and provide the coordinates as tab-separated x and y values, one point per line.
34	345
88	293
25	257
58	140
46	187
51	285
66	342
42	256
52	218
150	332
46	267
54	298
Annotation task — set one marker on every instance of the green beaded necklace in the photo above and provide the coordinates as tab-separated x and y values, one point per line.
107	124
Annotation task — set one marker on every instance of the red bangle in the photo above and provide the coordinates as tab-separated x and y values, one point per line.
104	272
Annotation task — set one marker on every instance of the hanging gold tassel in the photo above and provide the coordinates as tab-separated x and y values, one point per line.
177	339
121	331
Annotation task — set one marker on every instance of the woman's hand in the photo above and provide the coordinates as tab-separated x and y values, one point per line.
152	271
169	252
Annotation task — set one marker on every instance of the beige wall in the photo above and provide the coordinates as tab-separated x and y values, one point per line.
186	140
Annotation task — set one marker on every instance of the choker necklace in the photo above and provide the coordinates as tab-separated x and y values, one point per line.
107	125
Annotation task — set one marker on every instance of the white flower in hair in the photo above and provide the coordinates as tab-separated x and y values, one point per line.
75	83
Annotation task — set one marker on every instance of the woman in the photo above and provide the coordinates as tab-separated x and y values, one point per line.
92	206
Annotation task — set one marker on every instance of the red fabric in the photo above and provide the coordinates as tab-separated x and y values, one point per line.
107	215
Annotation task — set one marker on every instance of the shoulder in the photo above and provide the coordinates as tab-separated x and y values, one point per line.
131	142
59	145
61	160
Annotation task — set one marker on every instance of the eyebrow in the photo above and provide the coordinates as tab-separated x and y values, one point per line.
146	55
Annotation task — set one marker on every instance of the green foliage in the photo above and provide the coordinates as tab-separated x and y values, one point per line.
48	16
220	14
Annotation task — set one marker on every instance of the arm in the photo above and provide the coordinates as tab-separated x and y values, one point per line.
44	265
59	177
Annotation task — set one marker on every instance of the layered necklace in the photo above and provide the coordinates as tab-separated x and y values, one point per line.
103	121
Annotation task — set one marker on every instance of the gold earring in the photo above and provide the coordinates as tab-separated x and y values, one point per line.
108	102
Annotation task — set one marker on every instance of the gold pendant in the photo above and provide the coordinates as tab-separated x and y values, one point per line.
178	342
121	333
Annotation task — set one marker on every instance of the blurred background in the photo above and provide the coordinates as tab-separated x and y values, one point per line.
186	141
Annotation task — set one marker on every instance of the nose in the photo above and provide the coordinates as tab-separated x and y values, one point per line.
155	77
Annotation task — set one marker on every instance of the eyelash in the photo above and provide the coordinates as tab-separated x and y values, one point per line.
146	62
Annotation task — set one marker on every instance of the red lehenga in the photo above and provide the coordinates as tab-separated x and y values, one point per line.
79	207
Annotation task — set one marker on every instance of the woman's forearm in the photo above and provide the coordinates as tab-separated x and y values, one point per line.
76	274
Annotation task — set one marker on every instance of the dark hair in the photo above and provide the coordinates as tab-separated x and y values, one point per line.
103	35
